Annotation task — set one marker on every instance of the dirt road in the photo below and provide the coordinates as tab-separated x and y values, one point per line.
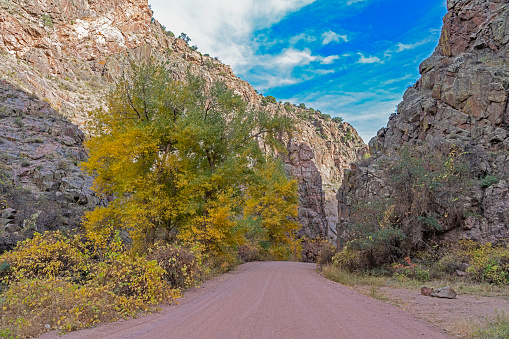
271	300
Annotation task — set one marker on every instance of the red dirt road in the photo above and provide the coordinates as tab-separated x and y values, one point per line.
271	300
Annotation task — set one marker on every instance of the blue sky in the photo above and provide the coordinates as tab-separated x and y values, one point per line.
347	58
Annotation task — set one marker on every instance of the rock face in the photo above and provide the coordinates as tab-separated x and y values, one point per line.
299	164
69	53
41	186
460	101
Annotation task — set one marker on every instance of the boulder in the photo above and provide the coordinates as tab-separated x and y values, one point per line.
426	291
444	292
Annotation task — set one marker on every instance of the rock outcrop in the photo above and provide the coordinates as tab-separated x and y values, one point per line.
461	101
42	188
69	53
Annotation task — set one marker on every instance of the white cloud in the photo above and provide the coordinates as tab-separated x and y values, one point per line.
302	37
392	81
330	59
368	60
351	2
323	71
222	27
404	47
268	81
291	58
331	36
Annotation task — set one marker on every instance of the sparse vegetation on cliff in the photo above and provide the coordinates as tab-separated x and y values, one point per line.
426	197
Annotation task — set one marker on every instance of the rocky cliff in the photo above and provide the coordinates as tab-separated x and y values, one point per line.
41	185
67	54
460	102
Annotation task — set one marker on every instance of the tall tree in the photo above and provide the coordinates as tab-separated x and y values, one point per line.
183	160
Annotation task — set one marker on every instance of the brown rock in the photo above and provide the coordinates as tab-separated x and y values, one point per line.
444	292
426	291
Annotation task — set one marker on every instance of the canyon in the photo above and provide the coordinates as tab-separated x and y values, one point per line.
58	59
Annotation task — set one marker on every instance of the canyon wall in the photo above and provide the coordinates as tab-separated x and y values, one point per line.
460	102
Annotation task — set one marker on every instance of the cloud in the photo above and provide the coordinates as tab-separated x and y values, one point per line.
376	106
268	81
323	71
351	2
301	37
331	36
329	60
292	57
404	47
368	60
392	81
228	23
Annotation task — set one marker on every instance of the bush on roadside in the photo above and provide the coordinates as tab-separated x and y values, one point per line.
325	254
351	260
318	250
409	269
249	252
483	262
52	254
64	282
182	266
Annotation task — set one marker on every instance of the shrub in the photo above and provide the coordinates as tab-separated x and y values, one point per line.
325	254
318	250
486	263
182	265
427	190
302	105
19	122
326	117
270	99
351	260
47	21
249	252
31	304
52	254
185	37
25	162
66	282
132	276
488	180
337	120
348	136
303	115
411	270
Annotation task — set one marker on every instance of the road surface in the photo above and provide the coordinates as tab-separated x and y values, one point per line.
270	300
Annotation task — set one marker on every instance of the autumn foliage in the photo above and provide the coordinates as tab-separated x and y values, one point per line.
65	282
188	184
183	162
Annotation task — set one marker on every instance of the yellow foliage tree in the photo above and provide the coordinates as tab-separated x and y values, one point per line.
182	160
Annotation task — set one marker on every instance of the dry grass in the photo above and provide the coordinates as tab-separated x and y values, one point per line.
372	286
495	329
463	287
